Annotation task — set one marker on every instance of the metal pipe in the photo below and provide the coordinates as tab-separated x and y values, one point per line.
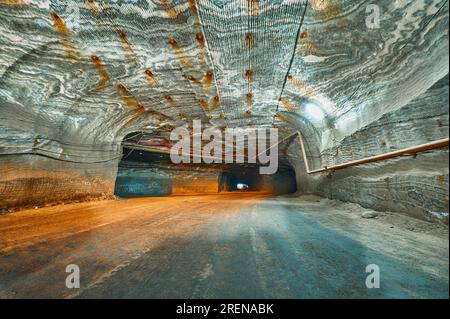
406	151
302	146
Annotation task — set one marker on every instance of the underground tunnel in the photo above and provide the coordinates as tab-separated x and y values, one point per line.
152	174
230	149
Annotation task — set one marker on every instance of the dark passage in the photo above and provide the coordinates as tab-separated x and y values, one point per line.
150	174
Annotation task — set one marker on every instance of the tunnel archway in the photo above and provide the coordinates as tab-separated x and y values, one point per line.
141	172
237	179
146	170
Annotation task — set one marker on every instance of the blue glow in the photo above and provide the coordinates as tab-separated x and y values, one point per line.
314	111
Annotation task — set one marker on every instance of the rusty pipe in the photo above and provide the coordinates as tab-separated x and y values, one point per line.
406	151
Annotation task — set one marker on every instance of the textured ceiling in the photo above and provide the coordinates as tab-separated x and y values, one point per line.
90	72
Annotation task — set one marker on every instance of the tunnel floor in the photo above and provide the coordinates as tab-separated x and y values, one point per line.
240	245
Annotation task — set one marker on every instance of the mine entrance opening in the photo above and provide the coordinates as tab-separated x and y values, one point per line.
244	179
146	170
142	170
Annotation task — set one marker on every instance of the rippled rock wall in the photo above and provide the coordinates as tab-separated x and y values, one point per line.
37	170
416	185
31	180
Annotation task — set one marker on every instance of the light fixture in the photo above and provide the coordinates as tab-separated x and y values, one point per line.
241	186
314	111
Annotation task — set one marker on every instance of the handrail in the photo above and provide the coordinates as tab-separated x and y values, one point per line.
406	151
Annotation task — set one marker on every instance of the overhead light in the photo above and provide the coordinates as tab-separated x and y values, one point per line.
314	111
241	186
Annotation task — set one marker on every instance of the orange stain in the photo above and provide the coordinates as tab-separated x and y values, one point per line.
194	80
179	52
320	4
201	44
172	13
174	44
441	179
128	97
59	24
249	75
327	10
205	107
253	7
278	127
140	107
168	128
306	46
302	86
161	119
249	112
281	118
249	98
104	77
170	100
93	6
249	41
129	52
203	104
193	7
139	112
151	78
287	105
331	10
200	40
208	79
71	50
12	2
215	102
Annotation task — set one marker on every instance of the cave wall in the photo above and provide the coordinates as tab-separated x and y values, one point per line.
37	171
415	185
33	180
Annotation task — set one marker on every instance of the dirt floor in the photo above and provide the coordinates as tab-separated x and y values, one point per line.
241	245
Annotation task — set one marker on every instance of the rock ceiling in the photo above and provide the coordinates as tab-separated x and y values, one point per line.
90	72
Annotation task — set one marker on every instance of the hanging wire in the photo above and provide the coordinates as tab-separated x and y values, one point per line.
291	61
36	152
132	150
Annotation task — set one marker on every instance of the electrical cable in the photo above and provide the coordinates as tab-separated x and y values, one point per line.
291	61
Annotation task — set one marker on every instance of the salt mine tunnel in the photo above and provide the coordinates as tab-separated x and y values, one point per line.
355	92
